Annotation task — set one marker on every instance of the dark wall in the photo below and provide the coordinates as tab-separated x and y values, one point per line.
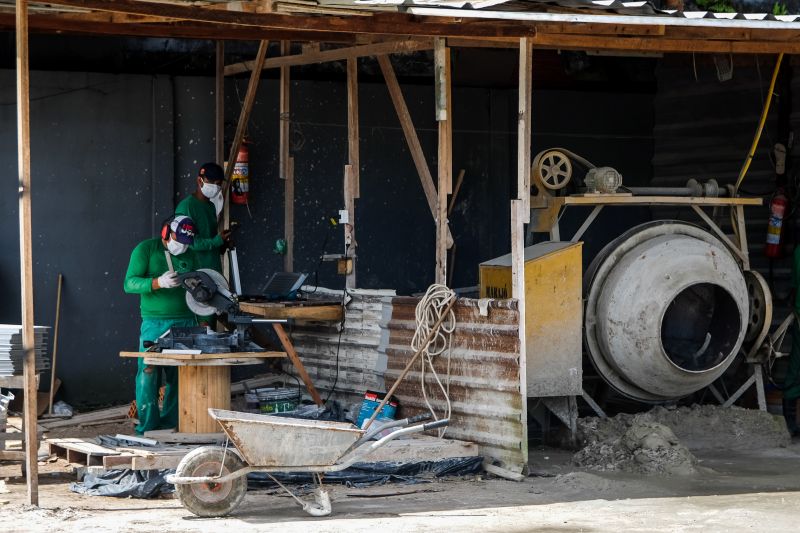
111	154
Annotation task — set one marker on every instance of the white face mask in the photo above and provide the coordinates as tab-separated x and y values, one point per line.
176	248
210	190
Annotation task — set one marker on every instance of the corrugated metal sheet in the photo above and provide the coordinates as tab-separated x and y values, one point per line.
484	375
361	365
704	128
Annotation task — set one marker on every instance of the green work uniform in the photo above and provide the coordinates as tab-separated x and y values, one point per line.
791	385
161	309
207	242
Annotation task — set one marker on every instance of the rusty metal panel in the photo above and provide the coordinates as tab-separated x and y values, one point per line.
361	365
484	375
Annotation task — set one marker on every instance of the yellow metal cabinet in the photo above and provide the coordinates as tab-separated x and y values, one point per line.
554	313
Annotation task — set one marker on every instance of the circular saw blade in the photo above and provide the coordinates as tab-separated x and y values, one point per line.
204	309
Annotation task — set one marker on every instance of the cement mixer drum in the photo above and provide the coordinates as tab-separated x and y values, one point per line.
666	311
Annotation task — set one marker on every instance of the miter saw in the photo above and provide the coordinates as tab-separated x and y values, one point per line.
207	293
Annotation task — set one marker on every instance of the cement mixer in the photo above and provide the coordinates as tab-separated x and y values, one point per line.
667	310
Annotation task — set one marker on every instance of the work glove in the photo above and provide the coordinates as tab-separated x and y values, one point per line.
168	280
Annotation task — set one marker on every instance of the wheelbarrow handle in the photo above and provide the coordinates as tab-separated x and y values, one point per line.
418	418
438	424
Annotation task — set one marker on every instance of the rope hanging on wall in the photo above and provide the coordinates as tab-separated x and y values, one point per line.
428	311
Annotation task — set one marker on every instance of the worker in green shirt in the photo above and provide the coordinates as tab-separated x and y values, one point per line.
163	305
209	243
791	384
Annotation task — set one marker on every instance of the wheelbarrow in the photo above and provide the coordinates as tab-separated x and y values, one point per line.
212	481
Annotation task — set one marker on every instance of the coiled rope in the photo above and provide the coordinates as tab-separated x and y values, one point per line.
428	312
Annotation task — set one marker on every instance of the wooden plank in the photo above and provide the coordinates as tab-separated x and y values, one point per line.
26	252
156	462
337	54
423	448
201	388
329	312
352	126
298	364
100	415
172	436
412	140
244	115
118	461
232	361
441	57
12	455
204	356
524	127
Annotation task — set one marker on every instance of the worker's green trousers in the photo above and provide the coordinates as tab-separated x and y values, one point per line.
148	380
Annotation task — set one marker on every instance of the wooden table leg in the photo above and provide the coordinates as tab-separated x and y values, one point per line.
289	348
201	387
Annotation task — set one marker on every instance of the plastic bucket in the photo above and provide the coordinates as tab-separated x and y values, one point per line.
278	400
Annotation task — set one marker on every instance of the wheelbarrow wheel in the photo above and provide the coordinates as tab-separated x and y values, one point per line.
211	499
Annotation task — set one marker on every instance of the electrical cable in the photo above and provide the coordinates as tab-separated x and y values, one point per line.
428	312
341	330
754	145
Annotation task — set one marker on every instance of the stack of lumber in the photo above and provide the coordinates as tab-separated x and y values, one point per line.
93	418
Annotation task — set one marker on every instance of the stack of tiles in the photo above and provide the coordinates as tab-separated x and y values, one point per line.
11	353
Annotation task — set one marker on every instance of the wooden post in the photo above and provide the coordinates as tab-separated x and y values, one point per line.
351	170
26	253
286	162
524	127
223	220
412	140
219	96
518	212
244	115
441	57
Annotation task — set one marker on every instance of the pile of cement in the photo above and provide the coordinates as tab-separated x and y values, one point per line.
658	441
640	446
711	427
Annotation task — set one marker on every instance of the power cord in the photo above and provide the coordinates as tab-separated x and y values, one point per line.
341	330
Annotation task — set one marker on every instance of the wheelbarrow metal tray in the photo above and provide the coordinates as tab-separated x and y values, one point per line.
266	440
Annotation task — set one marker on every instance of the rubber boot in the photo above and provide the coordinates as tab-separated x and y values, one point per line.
790	414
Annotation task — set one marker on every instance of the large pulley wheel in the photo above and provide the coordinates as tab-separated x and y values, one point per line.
211	499
553	169
760	300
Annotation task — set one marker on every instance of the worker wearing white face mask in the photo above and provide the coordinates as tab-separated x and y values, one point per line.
209	243
163	306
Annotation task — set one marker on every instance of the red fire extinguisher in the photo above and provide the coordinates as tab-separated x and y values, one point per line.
777	210
240	182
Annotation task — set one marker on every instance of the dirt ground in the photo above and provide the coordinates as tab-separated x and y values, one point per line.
742	491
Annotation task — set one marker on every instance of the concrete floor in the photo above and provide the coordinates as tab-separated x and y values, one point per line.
743	491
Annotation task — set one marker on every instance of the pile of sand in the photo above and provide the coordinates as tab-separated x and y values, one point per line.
640	446
658	441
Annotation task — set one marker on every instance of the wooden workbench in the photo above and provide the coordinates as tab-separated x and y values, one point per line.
204	381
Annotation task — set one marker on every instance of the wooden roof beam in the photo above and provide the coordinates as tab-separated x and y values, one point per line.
175	30
379	23
338	54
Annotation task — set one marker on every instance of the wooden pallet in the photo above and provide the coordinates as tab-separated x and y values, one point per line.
79	452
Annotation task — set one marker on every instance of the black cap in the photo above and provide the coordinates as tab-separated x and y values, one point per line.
211	172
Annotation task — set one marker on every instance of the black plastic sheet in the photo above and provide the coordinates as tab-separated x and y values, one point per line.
378	473
125	483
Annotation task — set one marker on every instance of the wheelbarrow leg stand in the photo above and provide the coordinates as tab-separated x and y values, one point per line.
322	505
